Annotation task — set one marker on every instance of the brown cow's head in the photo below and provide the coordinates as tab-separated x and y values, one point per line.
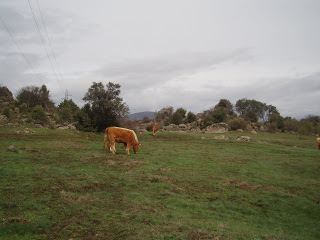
135	147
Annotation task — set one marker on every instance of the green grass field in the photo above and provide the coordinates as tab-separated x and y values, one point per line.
60	185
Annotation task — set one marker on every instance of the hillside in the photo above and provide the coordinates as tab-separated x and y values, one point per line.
141	115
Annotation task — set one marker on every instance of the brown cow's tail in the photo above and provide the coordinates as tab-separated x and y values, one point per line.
104	139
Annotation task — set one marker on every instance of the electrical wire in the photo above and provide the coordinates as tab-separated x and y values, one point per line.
54	56
24	56
35	20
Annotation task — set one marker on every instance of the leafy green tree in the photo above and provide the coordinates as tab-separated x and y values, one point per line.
177	118
106	105
38	114
219	115
191	117
164	113
85	119
68	110
254	110
278	120
182	112
34	96
291	124
227	105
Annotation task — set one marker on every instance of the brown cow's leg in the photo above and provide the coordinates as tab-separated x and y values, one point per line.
113	148
109	147
125	147
128	149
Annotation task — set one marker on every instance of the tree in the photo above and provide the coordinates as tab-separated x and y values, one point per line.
106	105
182	112
85	119
191	117
253	110
219	115
164	113
68	110
34	96
278	120
227	105
177	118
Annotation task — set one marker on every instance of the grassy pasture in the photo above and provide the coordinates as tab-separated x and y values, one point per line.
60	185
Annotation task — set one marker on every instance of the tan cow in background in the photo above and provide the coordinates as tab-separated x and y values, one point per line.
318	143
154	129
121	135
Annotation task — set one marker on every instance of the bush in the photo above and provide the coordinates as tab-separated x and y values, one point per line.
38	114
34	96
66	114
191	117
271	127
149	127
306	128
237	123
84	122
219	115
146	119
177	118
291	124
7	112
278	120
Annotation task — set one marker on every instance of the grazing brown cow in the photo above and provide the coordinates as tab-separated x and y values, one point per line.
318	143
154	129
120	135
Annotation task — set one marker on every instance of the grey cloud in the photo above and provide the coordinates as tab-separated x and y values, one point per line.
153	72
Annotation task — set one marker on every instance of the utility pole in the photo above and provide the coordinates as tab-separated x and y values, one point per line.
66	95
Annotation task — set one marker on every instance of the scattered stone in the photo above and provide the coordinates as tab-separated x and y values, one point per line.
72	127
254	132
3	118
63	128
12	148
217	128
239	130
221	137
243	138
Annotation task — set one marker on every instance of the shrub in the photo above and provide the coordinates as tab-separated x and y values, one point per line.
66	114
191	117
38	114
149	127
306	128
84	122
7	112
291	124
278	120
271	127
145	119
237	123
34	96
219	115
177	118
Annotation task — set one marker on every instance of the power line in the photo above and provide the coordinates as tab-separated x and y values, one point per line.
54	56
35	20
17	45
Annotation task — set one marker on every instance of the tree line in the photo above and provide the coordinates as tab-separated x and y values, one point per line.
104	107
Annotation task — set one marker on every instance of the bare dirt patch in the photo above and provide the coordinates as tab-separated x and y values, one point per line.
247	186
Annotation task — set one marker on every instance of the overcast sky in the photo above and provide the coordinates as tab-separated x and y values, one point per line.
180	53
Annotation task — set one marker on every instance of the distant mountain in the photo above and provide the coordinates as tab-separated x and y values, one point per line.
141	115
